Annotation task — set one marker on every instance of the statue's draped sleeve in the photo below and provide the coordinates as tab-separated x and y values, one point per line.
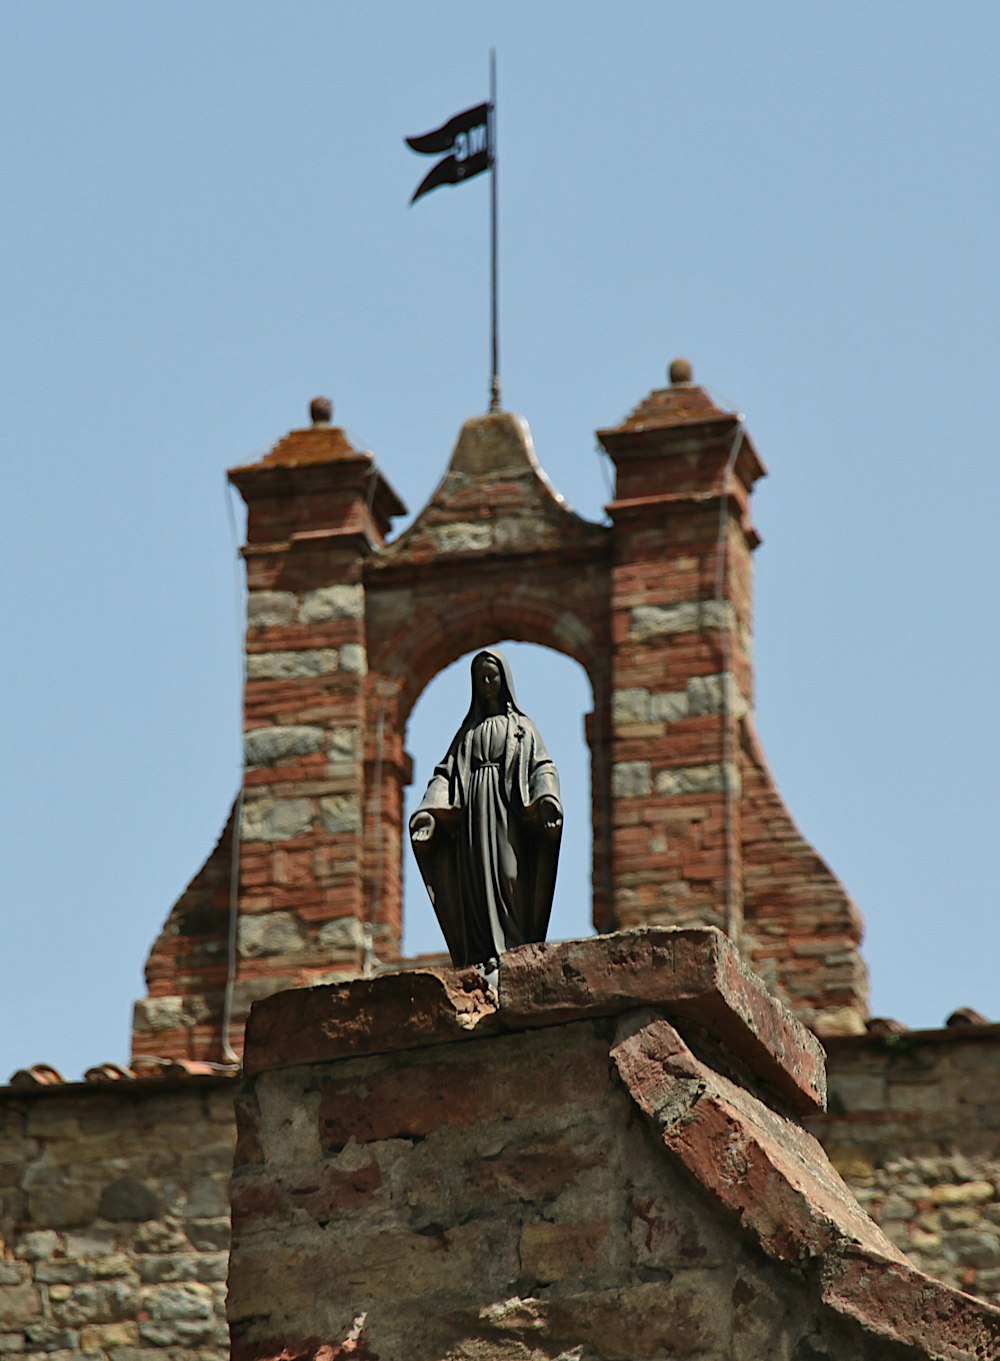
436	858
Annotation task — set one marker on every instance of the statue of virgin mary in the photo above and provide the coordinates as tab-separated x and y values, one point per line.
486	834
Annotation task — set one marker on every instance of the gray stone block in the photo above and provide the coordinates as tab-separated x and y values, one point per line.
267	608
268	819
631	779
48	1337
128	1199
319	661
268	746
340	813
100	1302
60	1272
346	933
707	694
686	616
707	779
343	744
969	1248
159	1013
36	1246
207	1197
174	1266
630	705
209	1235
669	706
183	1300
462	538
269	933
332	602
354	659
212	1267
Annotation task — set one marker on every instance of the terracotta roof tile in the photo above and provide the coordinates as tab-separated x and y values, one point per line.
108	1072
320	444
885	1025
38	1075
143	1068
682	404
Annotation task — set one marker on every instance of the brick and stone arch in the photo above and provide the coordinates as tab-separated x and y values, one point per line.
458	580
346	627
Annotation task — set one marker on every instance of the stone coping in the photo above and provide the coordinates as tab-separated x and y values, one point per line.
692	974
903	1039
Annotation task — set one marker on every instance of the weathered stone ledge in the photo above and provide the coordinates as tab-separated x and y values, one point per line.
692	974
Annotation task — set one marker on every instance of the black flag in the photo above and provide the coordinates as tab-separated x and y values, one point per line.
467	138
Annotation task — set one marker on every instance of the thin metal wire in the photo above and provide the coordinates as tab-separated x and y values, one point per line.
369	959
228	1052
495	331
721	557
602	454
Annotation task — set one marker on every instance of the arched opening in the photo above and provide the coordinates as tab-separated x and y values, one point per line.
556	692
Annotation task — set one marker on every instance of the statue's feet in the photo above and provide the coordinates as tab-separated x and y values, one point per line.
490	971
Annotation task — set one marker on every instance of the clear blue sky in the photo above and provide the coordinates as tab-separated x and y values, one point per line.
205	224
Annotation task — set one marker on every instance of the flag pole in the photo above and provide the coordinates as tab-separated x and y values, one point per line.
495	377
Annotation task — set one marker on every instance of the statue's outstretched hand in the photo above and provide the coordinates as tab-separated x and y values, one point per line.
422	826
551	817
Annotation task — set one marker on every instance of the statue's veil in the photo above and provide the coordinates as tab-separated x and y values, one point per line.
507	678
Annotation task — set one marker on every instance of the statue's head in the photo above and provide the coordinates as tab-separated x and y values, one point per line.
487	678
492	682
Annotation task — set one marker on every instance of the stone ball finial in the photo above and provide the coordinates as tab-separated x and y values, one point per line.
680	371
321	411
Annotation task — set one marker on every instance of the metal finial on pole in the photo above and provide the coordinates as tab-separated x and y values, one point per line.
495	373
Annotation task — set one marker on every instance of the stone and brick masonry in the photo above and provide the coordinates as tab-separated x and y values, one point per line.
914	1128
114	1196
344	631
112	1214
114	1219
601	1163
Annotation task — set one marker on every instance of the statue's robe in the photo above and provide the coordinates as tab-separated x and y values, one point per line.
490	866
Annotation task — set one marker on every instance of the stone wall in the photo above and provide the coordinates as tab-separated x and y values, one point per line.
114	1199
426	1169
914	1128
492	1207
114	1220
